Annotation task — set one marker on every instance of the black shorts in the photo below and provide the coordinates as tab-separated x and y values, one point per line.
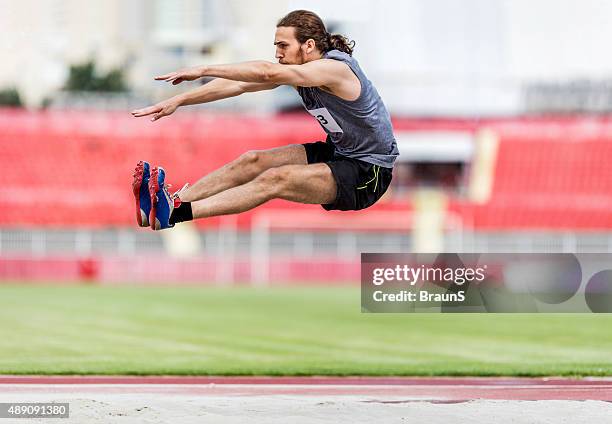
360	184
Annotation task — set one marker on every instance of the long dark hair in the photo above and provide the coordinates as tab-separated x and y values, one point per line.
308	25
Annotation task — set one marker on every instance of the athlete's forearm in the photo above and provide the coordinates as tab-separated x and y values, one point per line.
216	89
255	71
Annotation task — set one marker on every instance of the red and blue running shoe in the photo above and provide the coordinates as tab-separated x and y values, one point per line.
140	187
162	203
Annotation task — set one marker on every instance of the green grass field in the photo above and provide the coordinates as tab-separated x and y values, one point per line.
281	331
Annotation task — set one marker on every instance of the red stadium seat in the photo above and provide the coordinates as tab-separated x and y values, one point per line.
548	175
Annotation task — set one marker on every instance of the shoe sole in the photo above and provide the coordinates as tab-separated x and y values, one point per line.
141	217
153	189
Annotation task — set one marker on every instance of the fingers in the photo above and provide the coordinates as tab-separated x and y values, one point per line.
158	116
165	111
145	111
138	113
173	77
165	76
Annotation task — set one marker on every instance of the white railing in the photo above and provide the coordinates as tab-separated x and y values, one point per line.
303	224
270	236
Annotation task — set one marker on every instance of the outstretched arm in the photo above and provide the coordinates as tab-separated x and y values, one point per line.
219	89
317	73
216	89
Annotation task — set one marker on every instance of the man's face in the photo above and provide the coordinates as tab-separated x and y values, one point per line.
288	49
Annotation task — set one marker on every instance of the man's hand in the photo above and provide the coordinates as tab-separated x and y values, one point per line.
161	109
187	74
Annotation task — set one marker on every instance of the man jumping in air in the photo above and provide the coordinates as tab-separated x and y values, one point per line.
350	171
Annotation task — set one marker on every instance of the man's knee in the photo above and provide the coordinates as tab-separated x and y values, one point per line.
249	165
274	181
250	158
255	160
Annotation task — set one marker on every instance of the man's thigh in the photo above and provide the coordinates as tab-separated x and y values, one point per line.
312	184
293	154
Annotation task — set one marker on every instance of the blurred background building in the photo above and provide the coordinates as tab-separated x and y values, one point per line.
437	57
501	109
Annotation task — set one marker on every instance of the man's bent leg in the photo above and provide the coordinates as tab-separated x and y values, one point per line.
242	170
313	184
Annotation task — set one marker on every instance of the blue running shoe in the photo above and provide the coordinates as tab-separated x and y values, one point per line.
162	204
140	187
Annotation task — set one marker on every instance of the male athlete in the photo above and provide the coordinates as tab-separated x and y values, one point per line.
350	171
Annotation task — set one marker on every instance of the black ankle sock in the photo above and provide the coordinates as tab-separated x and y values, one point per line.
182	213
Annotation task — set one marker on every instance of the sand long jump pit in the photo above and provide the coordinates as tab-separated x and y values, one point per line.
108	399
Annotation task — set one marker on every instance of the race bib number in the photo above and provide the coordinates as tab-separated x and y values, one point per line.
324	117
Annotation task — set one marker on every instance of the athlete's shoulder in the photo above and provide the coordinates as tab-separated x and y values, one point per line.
338	55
